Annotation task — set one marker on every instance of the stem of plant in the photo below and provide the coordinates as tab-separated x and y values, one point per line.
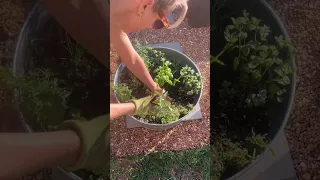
226	47
265	70
255	35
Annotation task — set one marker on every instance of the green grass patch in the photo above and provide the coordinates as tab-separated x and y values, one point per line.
194	164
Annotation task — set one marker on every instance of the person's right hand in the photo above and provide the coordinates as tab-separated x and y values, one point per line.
144	105
95	142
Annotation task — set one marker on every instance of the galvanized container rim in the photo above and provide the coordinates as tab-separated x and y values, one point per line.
167	124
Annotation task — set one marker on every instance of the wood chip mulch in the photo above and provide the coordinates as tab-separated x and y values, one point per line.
302	19
195	44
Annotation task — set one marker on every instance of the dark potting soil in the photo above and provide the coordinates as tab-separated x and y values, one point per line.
79	72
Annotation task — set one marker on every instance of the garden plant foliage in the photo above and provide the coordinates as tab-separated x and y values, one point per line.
260	75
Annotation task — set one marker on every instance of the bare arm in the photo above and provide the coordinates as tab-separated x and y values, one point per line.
131	58
24	153
117	110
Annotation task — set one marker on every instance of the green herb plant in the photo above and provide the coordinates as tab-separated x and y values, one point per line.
256	60
228	156
190	79
164	73
40	92
124	93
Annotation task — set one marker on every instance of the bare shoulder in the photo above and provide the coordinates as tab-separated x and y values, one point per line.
116	34
120	40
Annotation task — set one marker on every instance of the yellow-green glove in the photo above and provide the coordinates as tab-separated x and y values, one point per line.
144	105
95	146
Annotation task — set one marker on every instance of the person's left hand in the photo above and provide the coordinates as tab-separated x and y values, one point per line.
157	90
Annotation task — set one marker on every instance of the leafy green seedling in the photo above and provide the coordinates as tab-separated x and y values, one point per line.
191	80
164	73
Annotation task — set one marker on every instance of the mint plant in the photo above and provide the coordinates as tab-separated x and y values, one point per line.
191	80
256	58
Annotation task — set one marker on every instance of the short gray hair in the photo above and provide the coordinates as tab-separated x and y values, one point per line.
171	5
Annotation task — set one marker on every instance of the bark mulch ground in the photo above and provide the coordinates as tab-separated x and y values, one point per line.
302	19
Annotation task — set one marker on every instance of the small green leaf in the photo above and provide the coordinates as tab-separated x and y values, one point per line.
233	20
263	93
279	99
254	44
241	20
230	27
278	71
255	21
287	69
256	74
245	50
263	48
273	89
281	92
253	65
243	35
280	41
251	27
264	32
278	61
284	80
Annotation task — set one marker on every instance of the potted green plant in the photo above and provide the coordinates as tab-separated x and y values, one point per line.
174	72
253	89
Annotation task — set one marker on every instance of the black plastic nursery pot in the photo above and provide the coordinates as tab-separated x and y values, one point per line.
182	60
278	112
38	20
